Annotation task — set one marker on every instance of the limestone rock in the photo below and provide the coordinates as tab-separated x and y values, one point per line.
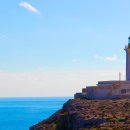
81	114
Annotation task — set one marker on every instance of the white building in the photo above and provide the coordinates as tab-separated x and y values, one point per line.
110	89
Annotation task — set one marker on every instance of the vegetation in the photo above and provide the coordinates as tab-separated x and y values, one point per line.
83	114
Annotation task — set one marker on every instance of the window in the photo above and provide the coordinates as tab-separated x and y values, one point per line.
123	91
128	90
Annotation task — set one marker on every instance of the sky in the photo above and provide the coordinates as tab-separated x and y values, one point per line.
57	47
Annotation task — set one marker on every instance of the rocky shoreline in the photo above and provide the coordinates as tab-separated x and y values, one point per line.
82	114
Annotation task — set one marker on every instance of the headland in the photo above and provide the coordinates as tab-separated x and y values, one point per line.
82	114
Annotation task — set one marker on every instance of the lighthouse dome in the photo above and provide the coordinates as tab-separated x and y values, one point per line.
129	40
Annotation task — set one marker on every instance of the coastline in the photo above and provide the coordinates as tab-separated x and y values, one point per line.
18	113
79	114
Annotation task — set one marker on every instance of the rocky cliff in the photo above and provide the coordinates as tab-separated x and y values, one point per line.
81	114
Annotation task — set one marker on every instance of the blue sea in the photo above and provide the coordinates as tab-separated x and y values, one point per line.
21	113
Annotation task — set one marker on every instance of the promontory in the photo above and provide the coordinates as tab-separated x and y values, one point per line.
83	114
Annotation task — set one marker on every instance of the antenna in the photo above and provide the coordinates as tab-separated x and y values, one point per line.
119	76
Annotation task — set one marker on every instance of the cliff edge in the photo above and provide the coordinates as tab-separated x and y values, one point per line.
81	114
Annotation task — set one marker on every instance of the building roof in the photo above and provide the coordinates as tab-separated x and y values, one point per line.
113	82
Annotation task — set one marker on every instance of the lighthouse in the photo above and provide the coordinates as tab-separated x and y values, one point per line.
110	89
127	49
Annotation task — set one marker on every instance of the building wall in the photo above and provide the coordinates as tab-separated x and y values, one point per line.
125	90
106	91
103	91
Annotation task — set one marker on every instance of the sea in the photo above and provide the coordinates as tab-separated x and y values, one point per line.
21	113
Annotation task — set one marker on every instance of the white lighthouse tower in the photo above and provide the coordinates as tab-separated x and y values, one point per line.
127	49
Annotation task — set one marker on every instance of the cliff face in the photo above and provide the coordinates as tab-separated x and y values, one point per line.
79	114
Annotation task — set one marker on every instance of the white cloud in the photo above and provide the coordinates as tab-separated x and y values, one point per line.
29	7
107	58
111	58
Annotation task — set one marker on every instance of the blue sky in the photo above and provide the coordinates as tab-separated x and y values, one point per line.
61	36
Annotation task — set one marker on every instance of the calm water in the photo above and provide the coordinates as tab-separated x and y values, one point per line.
21	113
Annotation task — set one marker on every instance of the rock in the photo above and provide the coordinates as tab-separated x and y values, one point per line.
81	114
